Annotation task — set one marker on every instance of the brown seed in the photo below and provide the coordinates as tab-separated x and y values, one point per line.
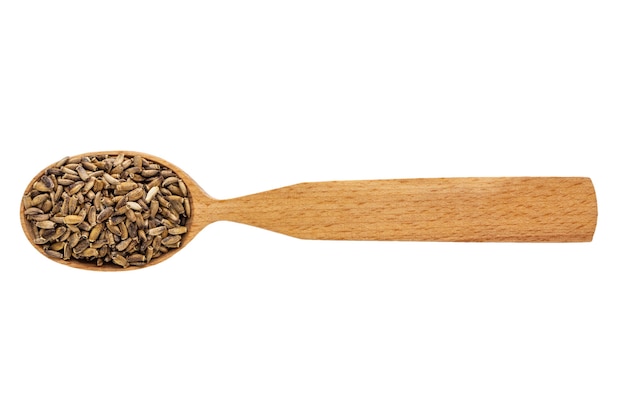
117	170
123	245
118	160
56	207
108	178
126	186
73	239
92	215
81	246
133	172
59	219
73	219
175	190
70	177
95	232
113	228
85	162
46	224
171	241
89	195
104	214
170	214
123	230
117	219
47	182
62	162
110	237
120	201
104	164
53	254
69	171
48	233
54	171
57	246
180	230
121	211
154	208
65	207
182	187
131	226
140	221
89	185
74	188
46	205
99	243
97	201
40	186
82	173
90	253
120	260
66	181
149	253
72	204
177	206
58	193
39	199
38	217
107	201
66	235
154	182
135	194
162	201
168	223
137	257
58	233
172	198
132	247
130	215
169	181
156	243
33	210
98	185
146	173
27	201
156	231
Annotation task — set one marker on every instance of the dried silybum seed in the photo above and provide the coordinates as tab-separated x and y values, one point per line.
107	209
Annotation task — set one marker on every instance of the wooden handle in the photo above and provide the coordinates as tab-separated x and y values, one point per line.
515	209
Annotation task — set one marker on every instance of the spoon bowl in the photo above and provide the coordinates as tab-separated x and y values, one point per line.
198	198
471	209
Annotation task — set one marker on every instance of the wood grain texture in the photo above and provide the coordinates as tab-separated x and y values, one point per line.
516	209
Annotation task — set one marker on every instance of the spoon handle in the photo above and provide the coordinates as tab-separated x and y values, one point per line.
505	209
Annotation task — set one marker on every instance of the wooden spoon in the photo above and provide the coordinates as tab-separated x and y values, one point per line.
483	209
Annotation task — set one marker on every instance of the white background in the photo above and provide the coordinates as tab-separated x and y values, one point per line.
249	96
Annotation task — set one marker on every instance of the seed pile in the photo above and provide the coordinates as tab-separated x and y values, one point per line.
118	209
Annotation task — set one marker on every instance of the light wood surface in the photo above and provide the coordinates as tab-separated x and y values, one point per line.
483	209
444	209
